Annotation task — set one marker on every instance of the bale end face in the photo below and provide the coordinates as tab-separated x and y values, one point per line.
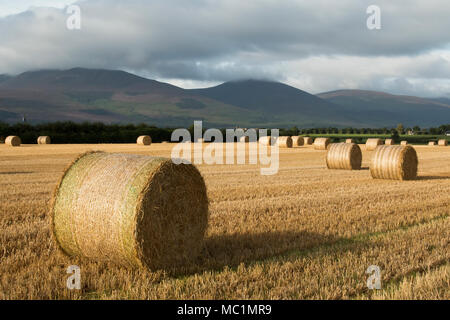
267	140
131	210
308	141
284	142
394	162
13	141
372	144
321	143
345	156
297	141
144	140
44	140
244	139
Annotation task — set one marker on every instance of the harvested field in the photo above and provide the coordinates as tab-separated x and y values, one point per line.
305	233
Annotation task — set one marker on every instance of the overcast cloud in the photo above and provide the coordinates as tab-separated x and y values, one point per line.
313	45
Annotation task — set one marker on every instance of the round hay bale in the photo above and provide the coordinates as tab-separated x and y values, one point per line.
297	141
13	141
349	141
244	139
131	210
321	143
372	144
394	162
404	143
308	141
44	140
389	142
144	140
432	143
267	140
443	143
346	156
284	142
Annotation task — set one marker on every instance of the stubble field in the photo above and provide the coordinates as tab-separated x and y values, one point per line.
305	233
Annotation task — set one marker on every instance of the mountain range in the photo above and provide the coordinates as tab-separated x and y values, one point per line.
119	97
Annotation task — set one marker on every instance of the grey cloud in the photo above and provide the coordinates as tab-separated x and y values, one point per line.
210	40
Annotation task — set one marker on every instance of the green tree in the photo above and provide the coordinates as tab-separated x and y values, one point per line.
394	135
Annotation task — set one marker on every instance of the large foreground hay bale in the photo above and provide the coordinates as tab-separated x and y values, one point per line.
13	141
347	156
308	141
432	143
44	140
144	140
443	143
349	141
131	210
372	144
297	141
321	143
389	142
394	162
284	142
267	140
404	143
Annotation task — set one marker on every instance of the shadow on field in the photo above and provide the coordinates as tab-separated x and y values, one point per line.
232	250
433	178
17	172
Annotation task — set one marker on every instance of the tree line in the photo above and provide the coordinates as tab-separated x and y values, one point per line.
400	130
71	132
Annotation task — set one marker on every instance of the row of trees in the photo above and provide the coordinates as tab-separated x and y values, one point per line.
70	132
387	131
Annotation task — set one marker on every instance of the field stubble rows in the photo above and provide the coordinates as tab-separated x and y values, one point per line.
304	233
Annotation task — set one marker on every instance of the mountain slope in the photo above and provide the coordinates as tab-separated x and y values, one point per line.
108	96
264	96
120	97
387	110
79	79
278	101
4	77
442	100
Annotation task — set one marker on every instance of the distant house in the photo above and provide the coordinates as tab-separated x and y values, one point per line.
447	133
411	132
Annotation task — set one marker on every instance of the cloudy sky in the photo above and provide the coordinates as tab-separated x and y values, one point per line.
316	45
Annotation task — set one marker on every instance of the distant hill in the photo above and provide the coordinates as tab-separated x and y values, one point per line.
278	101
79	79
106	96
119	97
4	77
388	110
442	100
